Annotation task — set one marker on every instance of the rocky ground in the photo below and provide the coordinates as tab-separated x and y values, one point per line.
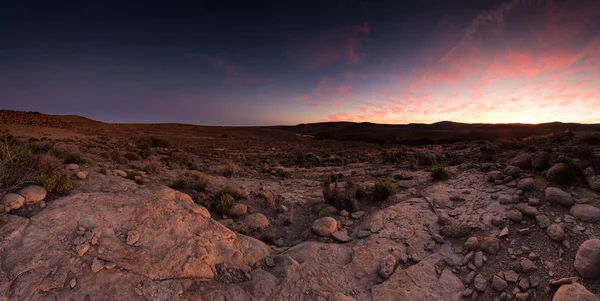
512	222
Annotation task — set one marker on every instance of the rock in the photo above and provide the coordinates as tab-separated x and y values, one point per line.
133	237
499	284
344	213
497	220
81	175
357	214
514	215
73	282
324	226
478	259
480	283
13	201
387	266
513	171
573	292
82	249
237	210
587	259
558	196
438	238
506	199
120	173
72	166
511	276
524	283
341	236
469	278
521	160
33	194
525	184
282	208
472	243
97	265
556	232
586	213
540	161
527	265
559	173
256	221
594	182
527	210
522	296
492	176
504	232
328	211
534	201
363	233
490	244
542	221
456	230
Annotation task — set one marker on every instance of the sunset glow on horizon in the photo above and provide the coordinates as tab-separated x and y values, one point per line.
512	61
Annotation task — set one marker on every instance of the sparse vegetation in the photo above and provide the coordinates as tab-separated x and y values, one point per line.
231	190
228	169
223	203
383	190
440	173
131	156
178	184
270	199
17	166
199	182
132	174
55	182
361	192
103	171
75	158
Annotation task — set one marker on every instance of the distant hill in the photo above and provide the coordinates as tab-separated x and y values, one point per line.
31	118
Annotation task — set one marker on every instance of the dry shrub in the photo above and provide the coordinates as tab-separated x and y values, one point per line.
199	182
117	157
153	167
17	166
48	162
61	149
228	169
343	198
270	198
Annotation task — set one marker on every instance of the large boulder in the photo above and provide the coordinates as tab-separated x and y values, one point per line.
324	226
559	173
558	196
586	212
13	201
521	160
587	259
594	182
257	221
540	161
573	292
33	194
174	242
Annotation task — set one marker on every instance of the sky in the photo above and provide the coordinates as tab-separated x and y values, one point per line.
290	62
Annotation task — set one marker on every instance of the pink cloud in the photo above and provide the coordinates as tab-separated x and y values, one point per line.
339	44
234	73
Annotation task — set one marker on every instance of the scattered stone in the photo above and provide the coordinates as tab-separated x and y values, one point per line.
525	184
133	237
534	281
511	276
13	201
542	221
524	231
560	281
472	243
527	265
559	173
438	238
522	296
467	292
556	232
527	209
497	220
524	283
478	259
493	175
540	161
469	278
490	244
73	282
357	214
569	219
468	257
586	213
514	215
499	284
513	171
587	259
363	233
328	211
504	232
33	194
120	173
430	246
559	197
341	236
572	292
282	208
534	201
480	283
344	213
594	182
506	199
387	266
257	221
521	160
97	265
238	210
456	230
324	226
81	175
72	166
82	249
270	262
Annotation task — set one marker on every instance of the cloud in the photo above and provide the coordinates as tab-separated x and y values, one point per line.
336	45
234	73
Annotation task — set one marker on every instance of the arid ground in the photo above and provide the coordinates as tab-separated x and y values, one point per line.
332	211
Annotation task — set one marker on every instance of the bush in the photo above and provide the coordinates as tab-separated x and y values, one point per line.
76	158
178	184
228	170
132	156
223	203
132	174
17	166
270	199
232	191
342	198
55	182
159	142
440	174
199	182
103	171
383	190
335	177
153	167
361	192
48	162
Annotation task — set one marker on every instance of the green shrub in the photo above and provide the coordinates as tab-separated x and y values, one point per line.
199	182
223	203
335	177
232	191
76	158
132	156
55	182
178	184
103	171
383	190
440	174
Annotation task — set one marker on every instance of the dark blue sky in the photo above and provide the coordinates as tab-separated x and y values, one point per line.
288	62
